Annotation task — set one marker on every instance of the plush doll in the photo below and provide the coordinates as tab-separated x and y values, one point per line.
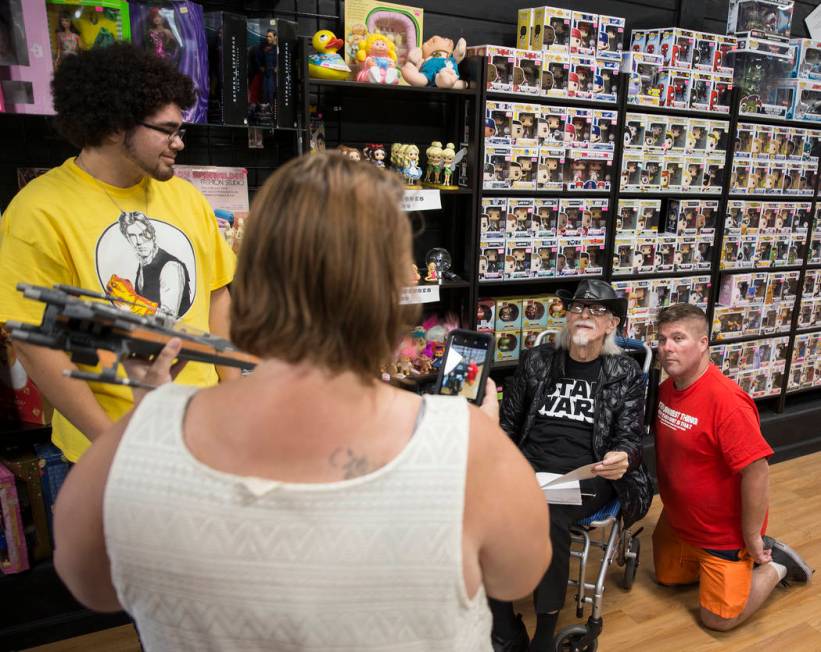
377	57
436	63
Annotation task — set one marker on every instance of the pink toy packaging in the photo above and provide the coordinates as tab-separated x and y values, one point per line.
15	557
27	65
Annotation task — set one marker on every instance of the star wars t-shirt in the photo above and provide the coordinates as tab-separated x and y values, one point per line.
156	245
561	438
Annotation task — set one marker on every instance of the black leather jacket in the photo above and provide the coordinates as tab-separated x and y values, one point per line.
618	415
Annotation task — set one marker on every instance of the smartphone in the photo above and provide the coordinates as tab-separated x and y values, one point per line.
466	365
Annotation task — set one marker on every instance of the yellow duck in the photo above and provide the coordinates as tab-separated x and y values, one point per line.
325	63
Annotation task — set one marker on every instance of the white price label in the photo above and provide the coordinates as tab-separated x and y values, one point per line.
419	294
421	200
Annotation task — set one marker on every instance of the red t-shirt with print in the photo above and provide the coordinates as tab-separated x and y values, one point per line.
705	435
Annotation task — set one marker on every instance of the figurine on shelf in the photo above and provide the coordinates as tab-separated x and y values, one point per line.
375	153
416	276
351	152
377	57
433	274
410	165
326	63
433	170
449	161
436	63
442	262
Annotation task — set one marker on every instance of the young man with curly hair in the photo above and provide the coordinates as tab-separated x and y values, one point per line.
114	219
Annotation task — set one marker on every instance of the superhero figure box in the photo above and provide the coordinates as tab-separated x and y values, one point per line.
175	31
227	66
25	62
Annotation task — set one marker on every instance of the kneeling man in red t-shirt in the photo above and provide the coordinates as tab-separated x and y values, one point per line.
712	475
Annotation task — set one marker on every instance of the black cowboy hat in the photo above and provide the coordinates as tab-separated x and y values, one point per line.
592	291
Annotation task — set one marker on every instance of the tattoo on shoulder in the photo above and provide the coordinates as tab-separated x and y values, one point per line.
352	465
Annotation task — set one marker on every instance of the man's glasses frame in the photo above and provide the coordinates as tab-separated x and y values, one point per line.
179	132
595	309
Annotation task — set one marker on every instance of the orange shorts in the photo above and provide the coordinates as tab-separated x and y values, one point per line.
724	586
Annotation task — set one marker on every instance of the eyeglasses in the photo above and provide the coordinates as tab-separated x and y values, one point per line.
596	309
179	132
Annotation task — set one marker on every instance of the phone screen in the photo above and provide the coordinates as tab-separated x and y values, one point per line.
464	366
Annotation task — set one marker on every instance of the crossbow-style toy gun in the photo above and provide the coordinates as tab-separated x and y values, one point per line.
93	331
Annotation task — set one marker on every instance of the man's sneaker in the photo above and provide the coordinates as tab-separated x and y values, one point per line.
797	568
519	643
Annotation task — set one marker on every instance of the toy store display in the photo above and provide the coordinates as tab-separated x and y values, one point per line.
379	37
774	160
421	353
758	303
549	73
805	368
517	322
436	63
438	266
647	242
646	297
25	466
262	40
809	312
680	69
673	154
13	548
757	366
326	62
84	24
174	30
532	237
759	235
25	61
227	39
815	242
542	147
765	19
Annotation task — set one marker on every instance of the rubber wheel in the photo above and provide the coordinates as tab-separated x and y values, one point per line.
568	640
631	565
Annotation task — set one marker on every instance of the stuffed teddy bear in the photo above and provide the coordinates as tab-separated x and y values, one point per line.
436	63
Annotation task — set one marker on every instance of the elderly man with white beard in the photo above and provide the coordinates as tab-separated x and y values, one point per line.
578	402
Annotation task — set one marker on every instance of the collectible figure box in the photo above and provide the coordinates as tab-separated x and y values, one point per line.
571	212
520	218
552	29
524	29
580	80
174	30
648	218
578	127
627	216
623	256
807	102
591	259
508	315
491	260
534	313
642	71
25	60
84	24
551	126
524	128
721	95
555	74
807	59
527	72
645	254
501	115
500	64
494	218
546	213
677	46
704	53
262	39
606	80
672	173
551	168
631	174
518	258
496	167
567	260
402	24
675	87
26	468
486	315
523	168
770	17
545	251
611	38
594	218
603	130
508	345
14	553
701	90
228	66
634	132
584	33
725	46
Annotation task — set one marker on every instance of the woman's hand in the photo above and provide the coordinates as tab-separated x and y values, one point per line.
613	466
158	372
490	404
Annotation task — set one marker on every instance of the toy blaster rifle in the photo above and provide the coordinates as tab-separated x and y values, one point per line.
92	330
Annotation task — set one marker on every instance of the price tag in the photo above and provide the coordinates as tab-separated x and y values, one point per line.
419	294
421	200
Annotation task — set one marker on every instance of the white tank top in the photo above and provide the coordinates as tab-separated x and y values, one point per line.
207	560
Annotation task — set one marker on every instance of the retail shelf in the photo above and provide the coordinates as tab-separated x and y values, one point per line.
812	329
669	195
556	101
789	198
505	364
688	113
802	390
764	120
749	338
752	270
535	281
503	192
364	87
662	275
447	285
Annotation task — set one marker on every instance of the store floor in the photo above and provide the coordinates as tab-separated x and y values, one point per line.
651	617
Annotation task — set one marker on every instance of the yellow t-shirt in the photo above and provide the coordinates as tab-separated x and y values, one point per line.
156	244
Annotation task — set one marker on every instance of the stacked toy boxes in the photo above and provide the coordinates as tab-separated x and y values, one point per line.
774	160
809	313
534	237
761	235
673	153
805	368
757	303
684	241
539	147
517	322
680	69
757	366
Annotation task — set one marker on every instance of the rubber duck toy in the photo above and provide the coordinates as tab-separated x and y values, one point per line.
325	63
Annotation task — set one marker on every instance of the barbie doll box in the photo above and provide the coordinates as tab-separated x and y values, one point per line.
26	61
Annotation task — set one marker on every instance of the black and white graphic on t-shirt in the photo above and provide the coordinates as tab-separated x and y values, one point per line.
147	263
571	399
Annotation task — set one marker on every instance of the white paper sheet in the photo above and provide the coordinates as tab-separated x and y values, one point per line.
565	489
